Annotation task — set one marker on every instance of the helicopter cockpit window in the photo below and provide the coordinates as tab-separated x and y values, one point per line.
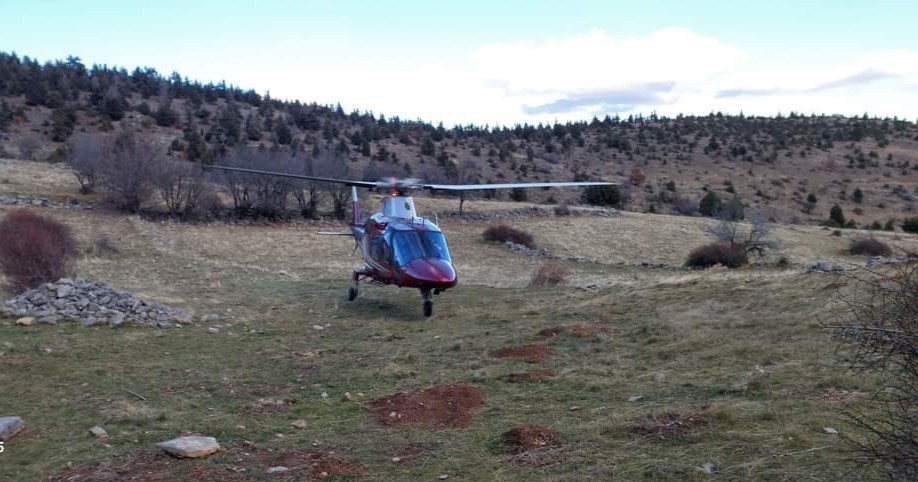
411	245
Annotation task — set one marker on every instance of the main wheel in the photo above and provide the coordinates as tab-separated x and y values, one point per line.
428	309
351	293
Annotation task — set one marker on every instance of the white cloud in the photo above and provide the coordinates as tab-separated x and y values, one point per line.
670	70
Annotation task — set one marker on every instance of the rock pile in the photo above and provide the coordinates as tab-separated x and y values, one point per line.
824	267
878	260
90	303
16	200
526	250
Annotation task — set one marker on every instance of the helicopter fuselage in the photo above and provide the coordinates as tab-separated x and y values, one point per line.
403	249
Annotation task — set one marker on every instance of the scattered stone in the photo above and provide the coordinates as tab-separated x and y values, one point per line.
396	460
9	427
348	397
574	408
210	318
14	200
98	432
26	321
443	477
878	260
824	267
300	424
708	468
213	330
278	469
89	303
193	447
635	398
829	430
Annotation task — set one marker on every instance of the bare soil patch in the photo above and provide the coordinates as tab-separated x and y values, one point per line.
531	353
668	426
147	466
319	464
839	395
537	375
441	406
528	437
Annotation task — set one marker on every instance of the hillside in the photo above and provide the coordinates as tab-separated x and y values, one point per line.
790	168
652	370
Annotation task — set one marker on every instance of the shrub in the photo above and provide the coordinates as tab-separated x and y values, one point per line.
34	250
726	254
549	274
103	246
615	196
869	247
562	210
910	225
504	233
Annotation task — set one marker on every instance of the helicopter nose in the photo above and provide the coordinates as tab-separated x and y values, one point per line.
432	271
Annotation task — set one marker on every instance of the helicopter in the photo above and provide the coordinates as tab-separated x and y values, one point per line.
397	246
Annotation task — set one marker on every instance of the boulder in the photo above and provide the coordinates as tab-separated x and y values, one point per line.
192	447
9	427
26	321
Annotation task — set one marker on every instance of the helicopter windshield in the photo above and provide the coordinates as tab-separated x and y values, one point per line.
411	245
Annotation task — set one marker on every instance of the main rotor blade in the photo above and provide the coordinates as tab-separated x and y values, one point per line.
346	182
524	185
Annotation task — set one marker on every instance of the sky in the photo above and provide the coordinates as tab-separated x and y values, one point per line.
506	62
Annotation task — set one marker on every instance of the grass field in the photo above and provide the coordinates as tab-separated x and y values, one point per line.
739	357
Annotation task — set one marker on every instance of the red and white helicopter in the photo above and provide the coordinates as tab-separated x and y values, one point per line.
399	247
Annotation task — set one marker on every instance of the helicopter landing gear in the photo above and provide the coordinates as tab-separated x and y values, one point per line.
352	291
428	302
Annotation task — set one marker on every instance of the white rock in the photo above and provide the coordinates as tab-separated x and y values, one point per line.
210	317
190	447
278	469
26	321
9	426
98	432
829	430
213	330
300	424
708	468
64	291
635	398
443	477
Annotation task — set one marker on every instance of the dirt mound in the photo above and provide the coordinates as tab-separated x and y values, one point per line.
531	353
147	466
669	426
578	330
537	375
436	407
529	437
320	465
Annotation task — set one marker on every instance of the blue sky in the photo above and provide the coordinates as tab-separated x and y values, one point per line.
506	62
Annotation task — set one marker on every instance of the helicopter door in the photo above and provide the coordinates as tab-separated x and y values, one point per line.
380	252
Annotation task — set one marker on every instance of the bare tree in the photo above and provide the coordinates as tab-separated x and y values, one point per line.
88	155
877	334
180	184
128	172
754	238
330	164
266	195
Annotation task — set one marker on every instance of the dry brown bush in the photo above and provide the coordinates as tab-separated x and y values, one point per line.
504	233
549	274
725	254
34	250
869	247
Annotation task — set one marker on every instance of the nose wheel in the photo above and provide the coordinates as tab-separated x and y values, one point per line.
352	291
428	303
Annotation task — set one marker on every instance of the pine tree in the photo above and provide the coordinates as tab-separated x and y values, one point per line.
710	205
253	127
837	216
